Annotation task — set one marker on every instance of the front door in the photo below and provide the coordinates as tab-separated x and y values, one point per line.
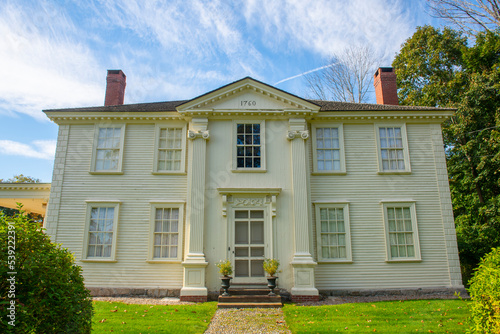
249	245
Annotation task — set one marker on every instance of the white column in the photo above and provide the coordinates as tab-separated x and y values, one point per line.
195	263
303	262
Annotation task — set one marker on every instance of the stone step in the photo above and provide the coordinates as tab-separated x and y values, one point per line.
248	291
250	305
249	299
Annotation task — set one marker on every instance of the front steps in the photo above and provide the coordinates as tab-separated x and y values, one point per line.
249	296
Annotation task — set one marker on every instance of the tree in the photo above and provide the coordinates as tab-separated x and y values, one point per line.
20	179
468	15
347	77
40	283
437	68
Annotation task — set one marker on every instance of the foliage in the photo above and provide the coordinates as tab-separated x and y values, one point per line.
347	76
271	266
20	178
485	295
437	68
411	316
225	267
130	318
49	295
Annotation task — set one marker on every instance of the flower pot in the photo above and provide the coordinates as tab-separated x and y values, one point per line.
226	282
271	284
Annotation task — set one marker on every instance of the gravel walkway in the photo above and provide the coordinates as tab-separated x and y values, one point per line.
248	320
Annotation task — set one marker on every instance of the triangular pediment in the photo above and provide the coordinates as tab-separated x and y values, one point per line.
247	95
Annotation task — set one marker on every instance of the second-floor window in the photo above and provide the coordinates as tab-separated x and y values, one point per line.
108	149
250	146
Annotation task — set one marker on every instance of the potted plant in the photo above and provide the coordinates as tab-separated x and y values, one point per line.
225	269
271	268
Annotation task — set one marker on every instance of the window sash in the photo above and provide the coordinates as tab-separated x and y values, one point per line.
170	146
333	233
249	145
100	232
392	148
108	149
328	149
166	233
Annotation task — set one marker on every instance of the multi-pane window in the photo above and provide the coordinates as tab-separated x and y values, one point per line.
333	232
248	145
327	149
333	236
391	148
400	232
100	232
107	149
169	149
166	233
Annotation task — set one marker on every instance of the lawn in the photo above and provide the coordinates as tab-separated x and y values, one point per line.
416	316
132	318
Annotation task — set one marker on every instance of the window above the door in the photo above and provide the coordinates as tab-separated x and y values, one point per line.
249	146
328	149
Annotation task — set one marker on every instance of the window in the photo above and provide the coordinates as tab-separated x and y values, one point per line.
166	232
334	244
392	145
100	231
328	147
169	152
108	147
249	148
401	231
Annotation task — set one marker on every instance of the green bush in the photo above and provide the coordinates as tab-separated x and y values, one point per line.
485	294
42	281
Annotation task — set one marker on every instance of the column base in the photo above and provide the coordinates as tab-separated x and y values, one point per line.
303	273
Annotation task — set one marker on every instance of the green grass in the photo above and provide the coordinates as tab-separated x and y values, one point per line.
416	316
132	318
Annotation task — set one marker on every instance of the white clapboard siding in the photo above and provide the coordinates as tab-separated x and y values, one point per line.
135	189
364	189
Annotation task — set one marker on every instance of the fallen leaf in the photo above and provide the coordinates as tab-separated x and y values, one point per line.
114	311
460	323
123	322
103	320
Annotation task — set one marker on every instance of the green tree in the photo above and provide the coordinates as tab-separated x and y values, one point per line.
437	68
41	280
20	178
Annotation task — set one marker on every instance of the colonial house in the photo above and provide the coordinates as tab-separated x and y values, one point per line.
348	197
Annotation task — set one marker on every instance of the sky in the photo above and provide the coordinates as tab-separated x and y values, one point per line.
55	54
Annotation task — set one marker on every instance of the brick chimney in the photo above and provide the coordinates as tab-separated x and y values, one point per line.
115	88
386	89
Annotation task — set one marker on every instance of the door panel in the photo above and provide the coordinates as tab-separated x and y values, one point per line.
249	245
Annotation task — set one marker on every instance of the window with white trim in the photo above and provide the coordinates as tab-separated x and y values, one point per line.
108	149
170	149
333	231
100	231
392	145
401	231
166	232
249	148
328	148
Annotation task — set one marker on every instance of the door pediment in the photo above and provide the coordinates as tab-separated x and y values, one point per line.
247	97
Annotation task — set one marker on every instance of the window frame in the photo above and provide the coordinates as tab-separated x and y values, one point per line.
406	154
119	169
340	127
158	129
165	205
101	204
347	226
262	168
411	204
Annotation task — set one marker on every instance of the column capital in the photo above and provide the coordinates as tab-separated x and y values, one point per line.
191	134
292	134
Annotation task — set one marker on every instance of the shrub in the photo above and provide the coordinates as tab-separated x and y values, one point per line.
271	266
485	294
47	287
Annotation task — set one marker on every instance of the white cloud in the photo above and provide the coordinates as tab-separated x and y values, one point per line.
42	65
40	149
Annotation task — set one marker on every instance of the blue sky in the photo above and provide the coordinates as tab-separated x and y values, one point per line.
55	54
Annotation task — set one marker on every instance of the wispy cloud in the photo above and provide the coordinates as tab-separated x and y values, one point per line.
40	149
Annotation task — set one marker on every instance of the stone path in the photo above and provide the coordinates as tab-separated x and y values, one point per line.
248	320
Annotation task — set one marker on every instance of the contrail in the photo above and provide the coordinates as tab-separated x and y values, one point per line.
302	74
